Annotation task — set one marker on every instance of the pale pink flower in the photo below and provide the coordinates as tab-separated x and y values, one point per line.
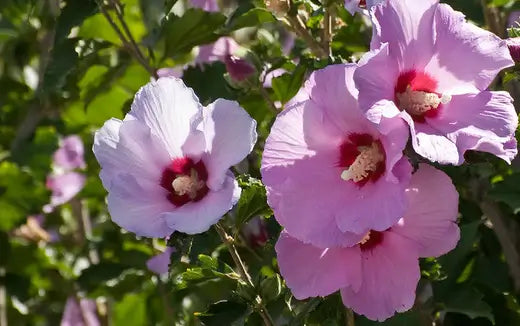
362	6
378	276
170	72
433	68
80	312
207	5
166	165
218	51
69	155
64	187
331	175
159	264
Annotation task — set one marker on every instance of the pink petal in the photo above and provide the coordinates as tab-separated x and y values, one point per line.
407	25
70	153
230	136
483	54
170	72
64	187
159	264
390	275
207	5
431	220
170	110
139	207
217	51
82	313
238	68
198	217
310	271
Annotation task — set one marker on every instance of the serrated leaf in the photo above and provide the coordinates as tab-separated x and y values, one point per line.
288	84
468	301
194	28
253	201
208	262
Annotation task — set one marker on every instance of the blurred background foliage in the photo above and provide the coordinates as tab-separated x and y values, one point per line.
65	70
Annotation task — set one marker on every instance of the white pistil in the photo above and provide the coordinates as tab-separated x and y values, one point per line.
366	162
419	102
188	184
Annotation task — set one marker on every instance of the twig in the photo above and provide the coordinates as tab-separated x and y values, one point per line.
3	301
296	24
229	242
328	19
350	317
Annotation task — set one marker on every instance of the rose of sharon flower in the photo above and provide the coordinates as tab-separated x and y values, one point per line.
64	187
513	44
160	263
166	165
434	68
69	155
331	175
82	312
362	6
379	275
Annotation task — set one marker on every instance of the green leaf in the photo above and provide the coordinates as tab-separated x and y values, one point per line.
130	311
73	14
98	274
468	301
508	192
63	61
253	201
194	28
271	288
254	17
208	262
224	312
287	85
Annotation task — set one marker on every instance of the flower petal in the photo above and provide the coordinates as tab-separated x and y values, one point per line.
198	217
159	264
230	136
483	54
310	271
431	220
139	208
70	153
170	109
390	275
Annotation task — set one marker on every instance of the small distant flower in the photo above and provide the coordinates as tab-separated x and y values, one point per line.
378	276
514	19
255	232
362	6
207	5
434	69
513	44
331	175
160	263
33	230
239	69
80	312
268	79
166	165
69	155
218	51
170	72
64	187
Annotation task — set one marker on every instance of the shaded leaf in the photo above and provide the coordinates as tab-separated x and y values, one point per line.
253	201
224	313
287	85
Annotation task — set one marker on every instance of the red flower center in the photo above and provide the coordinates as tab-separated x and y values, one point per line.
185	181
362	4
362	157
415	93
371	240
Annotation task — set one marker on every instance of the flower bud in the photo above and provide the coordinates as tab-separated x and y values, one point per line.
239	69
514	48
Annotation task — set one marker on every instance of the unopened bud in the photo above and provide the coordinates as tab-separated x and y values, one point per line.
239	69
514	48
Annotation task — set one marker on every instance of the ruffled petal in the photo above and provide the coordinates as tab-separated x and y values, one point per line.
407	26
129	147
230	136
198	217
376	78
482	53
139	207
431	220
171	110
390	275
310	271
483	121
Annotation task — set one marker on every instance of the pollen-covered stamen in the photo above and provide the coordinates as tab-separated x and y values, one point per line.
366	163
188	184
417	102
365	239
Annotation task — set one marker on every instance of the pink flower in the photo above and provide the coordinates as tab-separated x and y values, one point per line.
82	312
362	6
255	232
329	172
432	68
64	187
378	276
170	72
239	69
513	19
166	165
207	5
160	263
69	155
513	44
218	51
